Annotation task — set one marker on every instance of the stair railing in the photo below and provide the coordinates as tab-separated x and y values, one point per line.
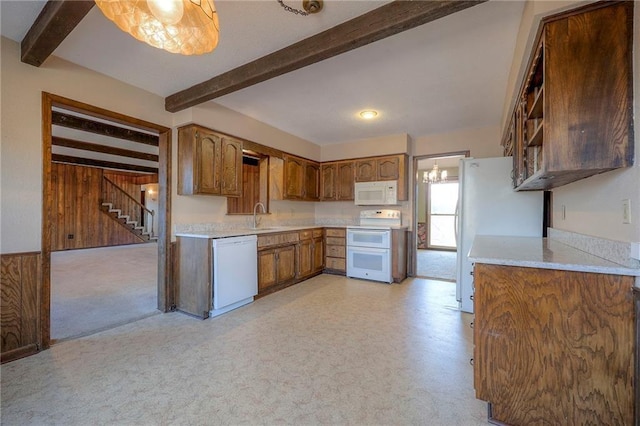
121	199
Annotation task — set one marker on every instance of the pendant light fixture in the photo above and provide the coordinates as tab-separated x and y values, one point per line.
435	175
188	27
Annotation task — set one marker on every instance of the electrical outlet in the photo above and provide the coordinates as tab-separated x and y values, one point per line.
626	210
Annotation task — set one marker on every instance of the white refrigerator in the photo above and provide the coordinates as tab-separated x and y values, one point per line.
488	205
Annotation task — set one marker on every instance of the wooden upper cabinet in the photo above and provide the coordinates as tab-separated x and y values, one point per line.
312	181
388	168
573	115
344	181
301	179
209	163
328	176
294	172
231	167
337	180
366	170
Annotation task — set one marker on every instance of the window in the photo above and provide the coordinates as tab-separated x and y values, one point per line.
443	200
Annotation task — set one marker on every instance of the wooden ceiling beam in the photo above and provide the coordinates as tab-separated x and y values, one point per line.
385	21
56	20
103	149
100	128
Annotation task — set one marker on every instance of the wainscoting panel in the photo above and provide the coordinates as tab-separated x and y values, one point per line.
20	288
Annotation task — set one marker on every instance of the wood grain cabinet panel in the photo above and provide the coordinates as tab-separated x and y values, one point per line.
366	170
209	163
337	179
573	117
335	250
301	179
20	289
328	177
554	347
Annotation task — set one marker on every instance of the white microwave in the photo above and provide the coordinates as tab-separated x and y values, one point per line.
382	193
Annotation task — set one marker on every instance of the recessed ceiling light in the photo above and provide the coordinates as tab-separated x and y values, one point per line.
368	114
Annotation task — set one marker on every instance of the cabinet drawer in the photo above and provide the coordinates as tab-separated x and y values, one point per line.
333	241
336	263
317	233
277	239
336	232
336	251
305	235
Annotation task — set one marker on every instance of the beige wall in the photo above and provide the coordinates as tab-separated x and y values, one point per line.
392	144
482	142
21	137
593	205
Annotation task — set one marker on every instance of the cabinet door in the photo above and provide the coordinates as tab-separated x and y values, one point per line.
388	168
267	269
193	276
366	170
231	168
328	177
318	254
294	171
286	263
344	181
312	181
305	266
207	162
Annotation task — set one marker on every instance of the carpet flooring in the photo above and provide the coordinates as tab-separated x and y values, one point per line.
95	289
329	350
437	264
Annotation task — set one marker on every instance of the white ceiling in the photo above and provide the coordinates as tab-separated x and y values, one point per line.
446	75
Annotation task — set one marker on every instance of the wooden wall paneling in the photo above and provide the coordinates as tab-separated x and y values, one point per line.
20	278
11	302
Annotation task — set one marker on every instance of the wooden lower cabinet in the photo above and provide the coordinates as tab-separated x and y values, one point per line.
310	253
335	251
276	266
555	347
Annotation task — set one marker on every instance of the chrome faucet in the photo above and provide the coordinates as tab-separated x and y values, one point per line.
264	210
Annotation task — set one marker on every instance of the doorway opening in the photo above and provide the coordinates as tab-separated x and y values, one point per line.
102	242
435	212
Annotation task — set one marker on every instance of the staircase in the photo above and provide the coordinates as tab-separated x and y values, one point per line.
129	211
132	225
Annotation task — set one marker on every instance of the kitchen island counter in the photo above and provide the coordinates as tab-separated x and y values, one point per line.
544	253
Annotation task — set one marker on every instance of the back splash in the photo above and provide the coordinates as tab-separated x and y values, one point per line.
614	251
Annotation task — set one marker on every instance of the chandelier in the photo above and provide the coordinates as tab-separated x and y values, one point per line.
188	27
435	175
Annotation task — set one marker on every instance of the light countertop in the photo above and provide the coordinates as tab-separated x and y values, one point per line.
227	233
534	252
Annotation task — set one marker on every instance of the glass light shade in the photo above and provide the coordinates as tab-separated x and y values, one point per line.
195	33
434	175
368	114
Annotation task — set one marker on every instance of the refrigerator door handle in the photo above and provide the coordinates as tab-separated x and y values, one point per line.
455	221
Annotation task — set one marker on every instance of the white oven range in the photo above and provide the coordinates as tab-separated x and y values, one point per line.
369	245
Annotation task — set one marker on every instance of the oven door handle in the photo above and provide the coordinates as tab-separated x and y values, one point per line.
360	249
367	232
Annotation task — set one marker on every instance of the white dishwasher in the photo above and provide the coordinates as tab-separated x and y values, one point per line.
235	272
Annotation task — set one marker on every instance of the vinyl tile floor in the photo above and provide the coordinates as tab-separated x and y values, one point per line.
330	350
